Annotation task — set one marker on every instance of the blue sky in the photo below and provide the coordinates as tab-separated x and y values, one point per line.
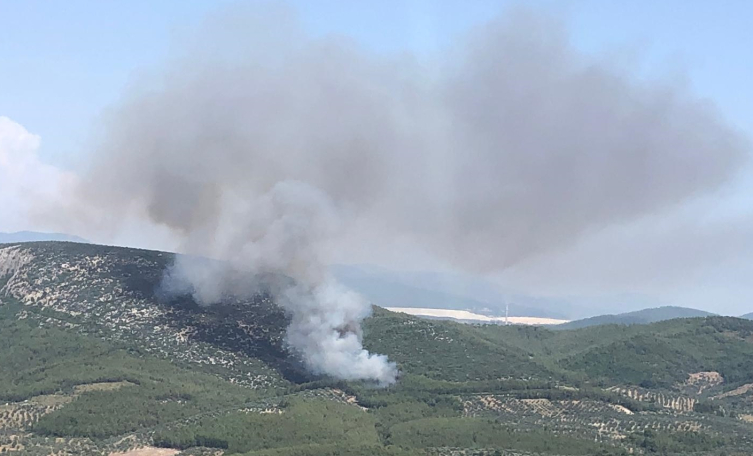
65	63
62	63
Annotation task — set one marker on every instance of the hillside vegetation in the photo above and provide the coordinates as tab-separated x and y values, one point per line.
95	361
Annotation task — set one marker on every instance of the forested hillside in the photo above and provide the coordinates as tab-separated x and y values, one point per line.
96	361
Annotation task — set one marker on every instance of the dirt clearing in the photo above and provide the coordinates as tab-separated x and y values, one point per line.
147	451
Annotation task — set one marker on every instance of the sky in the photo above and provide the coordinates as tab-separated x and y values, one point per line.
64	65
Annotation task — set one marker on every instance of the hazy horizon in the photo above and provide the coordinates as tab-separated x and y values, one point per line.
624	170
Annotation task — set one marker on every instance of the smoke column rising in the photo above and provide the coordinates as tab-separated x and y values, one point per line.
260	146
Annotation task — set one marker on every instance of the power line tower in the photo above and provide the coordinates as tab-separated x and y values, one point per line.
507	314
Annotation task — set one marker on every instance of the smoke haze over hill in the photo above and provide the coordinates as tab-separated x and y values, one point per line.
262	146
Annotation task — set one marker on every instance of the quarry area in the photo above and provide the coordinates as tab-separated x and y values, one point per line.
467	316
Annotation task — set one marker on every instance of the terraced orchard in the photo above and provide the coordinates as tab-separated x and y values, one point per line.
96	361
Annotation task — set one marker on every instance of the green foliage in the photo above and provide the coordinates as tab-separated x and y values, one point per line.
45	360
406	411
313	422
445	350
653	442
656	355
337	450
480	433
99	414
665	353
49	360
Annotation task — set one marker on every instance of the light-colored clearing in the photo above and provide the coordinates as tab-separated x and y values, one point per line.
50	400
704	380
704	377
567	388
470	316
147	451
736	392
543	407
102	386
620	408
9	446
748	418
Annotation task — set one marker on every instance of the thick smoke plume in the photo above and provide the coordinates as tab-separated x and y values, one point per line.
261	146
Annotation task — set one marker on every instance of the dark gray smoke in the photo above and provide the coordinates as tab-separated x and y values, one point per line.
261	145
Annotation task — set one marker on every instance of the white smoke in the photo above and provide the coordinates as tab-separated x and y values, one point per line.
280	232
263	146
325	328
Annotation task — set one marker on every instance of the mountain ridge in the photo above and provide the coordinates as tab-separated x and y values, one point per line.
36	236
639	317
388	288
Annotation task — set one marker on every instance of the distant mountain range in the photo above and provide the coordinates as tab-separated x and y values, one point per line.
640	317
34	236
435	290
748	316
454	291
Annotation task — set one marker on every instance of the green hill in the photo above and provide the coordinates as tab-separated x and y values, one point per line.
95	361
640	317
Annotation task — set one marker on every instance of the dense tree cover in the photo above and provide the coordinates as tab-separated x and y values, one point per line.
322	427
48	360
480	433
447	350
336	449
653	442
663	358
418	387
655	355
43	361
312	422
99	414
